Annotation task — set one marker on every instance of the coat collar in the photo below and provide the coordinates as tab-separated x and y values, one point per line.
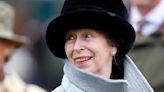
76	79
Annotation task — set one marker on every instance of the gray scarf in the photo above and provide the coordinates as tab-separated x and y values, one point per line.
76	80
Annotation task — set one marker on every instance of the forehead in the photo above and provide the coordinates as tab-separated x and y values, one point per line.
85	30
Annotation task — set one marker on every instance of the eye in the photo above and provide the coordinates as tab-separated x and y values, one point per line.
88	36
69	37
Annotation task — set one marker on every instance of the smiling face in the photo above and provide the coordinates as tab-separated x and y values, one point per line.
90	50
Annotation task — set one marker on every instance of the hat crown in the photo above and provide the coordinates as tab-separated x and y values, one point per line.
7	14
6	17
114	6
107	15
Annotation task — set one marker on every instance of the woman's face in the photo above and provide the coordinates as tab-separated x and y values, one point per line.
6	47
89	50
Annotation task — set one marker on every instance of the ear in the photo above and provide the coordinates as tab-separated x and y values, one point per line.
113	51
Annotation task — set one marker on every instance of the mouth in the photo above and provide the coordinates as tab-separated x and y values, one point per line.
83	59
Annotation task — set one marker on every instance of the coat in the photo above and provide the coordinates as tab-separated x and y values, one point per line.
76	80
148	55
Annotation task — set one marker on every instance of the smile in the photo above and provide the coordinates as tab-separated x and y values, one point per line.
82	59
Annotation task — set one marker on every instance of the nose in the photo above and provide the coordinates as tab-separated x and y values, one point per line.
78	46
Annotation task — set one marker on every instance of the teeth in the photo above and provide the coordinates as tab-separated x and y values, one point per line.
82	59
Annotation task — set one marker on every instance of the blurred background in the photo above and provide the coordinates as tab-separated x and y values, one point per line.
34	62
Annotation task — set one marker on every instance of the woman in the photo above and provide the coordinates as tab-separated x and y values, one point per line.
95	37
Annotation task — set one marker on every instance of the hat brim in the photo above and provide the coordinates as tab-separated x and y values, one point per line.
122	32
17	39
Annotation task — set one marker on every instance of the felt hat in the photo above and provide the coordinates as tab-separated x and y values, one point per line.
6	25
108	15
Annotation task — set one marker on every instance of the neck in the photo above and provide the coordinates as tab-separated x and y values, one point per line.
106	71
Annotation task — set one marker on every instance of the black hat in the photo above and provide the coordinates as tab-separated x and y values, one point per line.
108	15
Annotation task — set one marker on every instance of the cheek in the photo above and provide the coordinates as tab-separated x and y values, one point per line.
68	50
68	53
104	53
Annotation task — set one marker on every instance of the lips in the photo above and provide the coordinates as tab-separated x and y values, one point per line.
82	59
